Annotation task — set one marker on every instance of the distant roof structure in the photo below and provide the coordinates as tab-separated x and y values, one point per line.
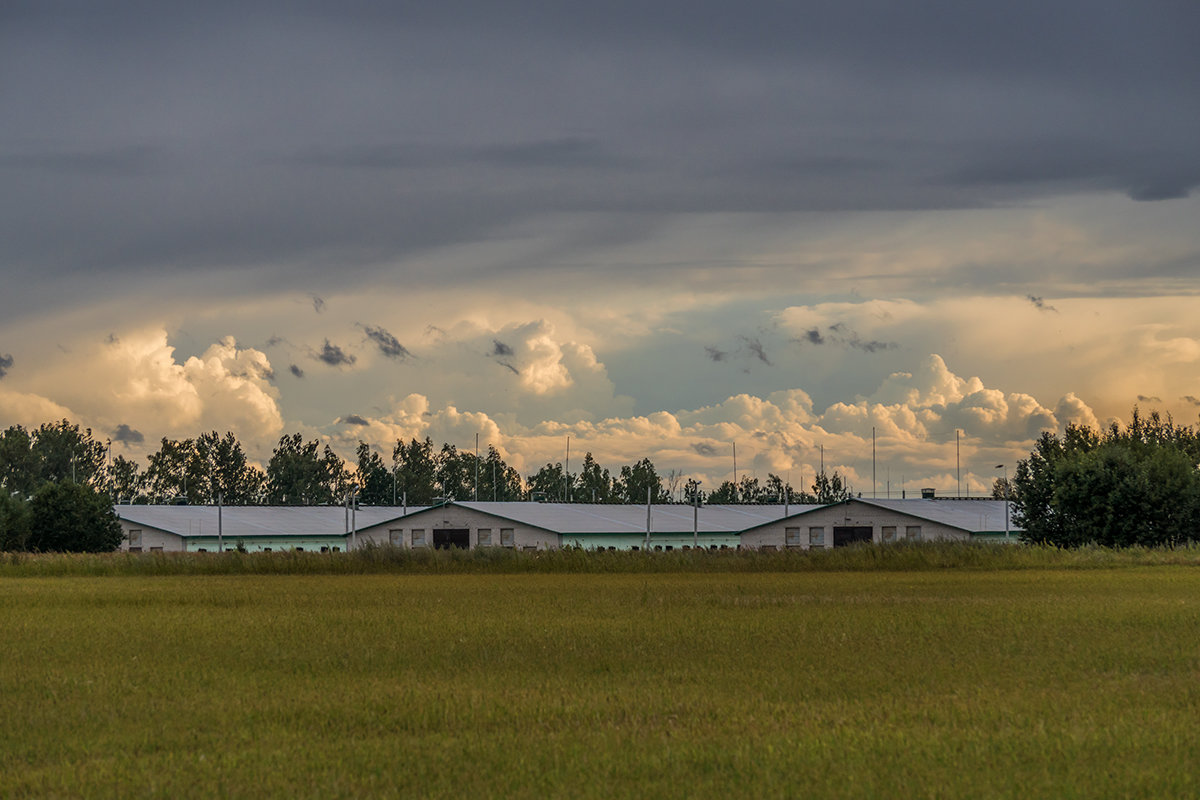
586	518
972	516
258	520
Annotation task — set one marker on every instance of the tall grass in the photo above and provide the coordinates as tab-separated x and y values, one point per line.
387	559
1063	683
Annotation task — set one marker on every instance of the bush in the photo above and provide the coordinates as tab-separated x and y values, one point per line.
70	517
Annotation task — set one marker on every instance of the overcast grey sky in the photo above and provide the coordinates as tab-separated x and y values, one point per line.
662	205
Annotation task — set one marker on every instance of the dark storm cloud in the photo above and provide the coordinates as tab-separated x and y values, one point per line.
128	435
388	344
354	419
6	362
755	348
1145	398
145	137
318	304
510	367
843	336
296	370
715	353
704	449
1190	399
1040	303
334	356
499	348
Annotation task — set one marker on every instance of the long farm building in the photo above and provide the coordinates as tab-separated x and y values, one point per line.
548	526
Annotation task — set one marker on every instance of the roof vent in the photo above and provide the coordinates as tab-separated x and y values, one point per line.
927	494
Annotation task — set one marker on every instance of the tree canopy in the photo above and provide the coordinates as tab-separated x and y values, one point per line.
71	517
1133	486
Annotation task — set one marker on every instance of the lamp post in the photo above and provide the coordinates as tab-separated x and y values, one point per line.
1004	490
353	519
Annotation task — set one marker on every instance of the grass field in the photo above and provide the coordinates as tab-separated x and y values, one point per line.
924	683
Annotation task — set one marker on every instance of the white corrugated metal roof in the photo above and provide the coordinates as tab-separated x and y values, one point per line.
565	518
258	520
976	516
973	516
583	518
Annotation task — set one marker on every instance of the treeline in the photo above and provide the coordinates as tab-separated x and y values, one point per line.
1134	486
213	467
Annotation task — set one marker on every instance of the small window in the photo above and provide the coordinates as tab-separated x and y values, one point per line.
135	539
816	537
337	549
418	537
913	533
889	533
266	549
635	547
506	538
155	549
299	549
324	549
202	550
396	537
670	547
485	537
791	537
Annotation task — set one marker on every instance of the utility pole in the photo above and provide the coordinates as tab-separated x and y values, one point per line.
735	485
957	463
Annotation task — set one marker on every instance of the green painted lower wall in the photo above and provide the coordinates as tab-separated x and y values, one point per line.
257	544
628	541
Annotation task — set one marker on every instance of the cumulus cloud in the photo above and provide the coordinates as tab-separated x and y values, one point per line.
6	362
124	433
138	378
334	356
389	345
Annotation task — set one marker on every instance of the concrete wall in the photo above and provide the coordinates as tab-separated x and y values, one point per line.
151	539
850	514
400	532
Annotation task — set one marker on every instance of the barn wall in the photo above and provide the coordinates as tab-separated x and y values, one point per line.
457	517
151	538
848	514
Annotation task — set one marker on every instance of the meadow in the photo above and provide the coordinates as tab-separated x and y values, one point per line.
441	681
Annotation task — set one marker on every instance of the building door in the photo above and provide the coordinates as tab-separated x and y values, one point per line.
446	538
848	535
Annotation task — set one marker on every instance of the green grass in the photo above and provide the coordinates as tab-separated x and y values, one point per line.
391	560
938	683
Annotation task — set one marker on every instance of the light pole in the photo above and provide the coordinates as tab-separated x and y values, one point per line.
353	519
1004	490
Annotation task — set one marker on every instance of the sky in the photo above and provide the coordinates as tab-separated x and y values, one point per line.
661	230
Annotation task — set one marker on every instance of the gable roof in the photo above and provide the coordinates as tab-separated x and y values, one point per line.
257	520
972	516
596	518
571	519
